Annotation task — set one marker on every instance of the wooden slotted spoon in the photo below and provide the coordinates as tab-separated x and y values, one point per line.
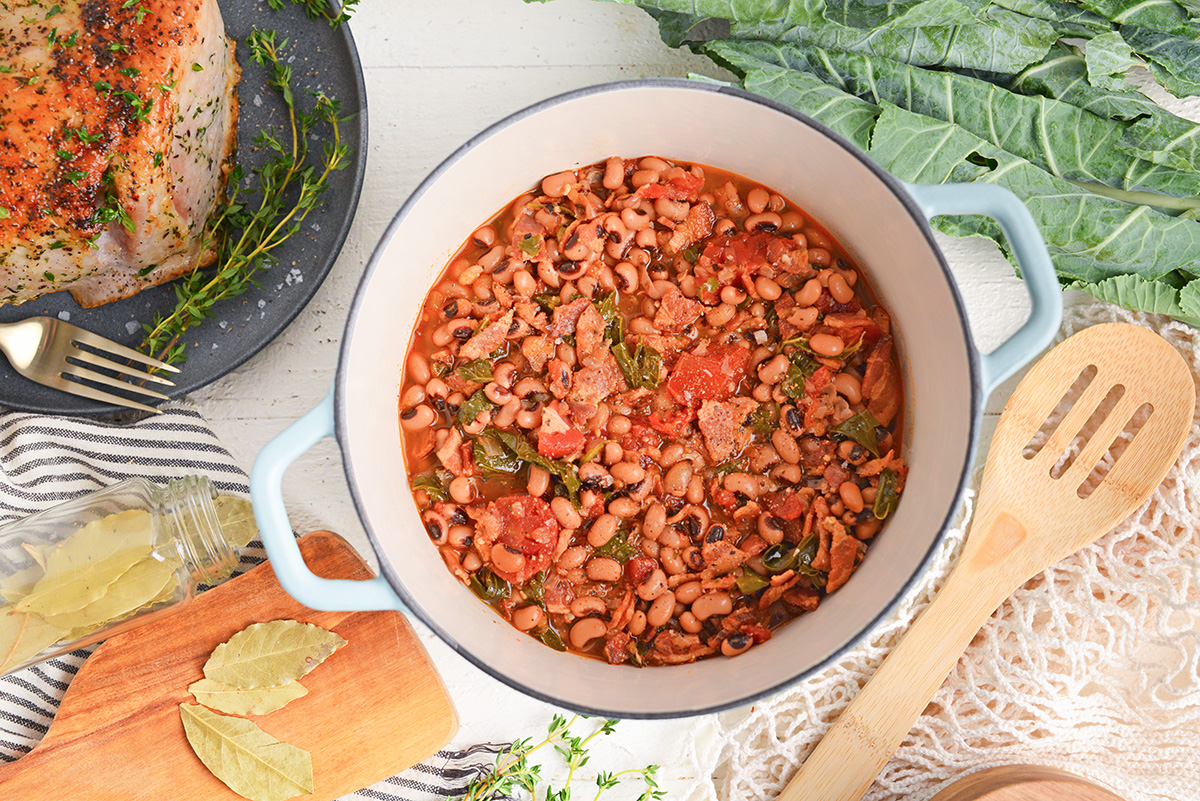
1029	515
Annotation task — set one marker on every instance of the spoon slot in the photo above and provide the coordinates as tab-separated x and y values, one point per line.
1118	447
1101	413
1069	399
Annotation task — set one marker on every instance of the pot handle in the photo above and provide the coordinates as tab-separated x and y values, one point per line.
1030	251
266	491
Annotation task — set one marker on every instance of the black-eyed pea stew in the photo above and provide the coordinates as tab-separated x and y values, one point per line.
652	413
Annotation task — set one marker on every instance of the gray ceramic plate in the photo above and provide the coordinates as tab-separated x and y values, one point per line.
325	59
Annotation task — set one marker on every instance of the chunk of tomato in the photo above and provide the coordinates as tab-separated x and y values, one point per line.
714	375
522	523
560	444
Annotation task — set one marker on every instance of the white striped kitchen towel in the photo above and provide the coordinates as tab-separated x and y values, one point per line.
47	460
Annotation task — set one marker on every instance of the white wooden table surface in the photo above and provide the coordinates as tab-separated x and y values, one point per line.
437	73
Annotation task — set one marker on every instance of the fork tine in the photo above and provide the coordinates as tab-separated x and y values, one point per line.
107	364
100	378
91	393
83	336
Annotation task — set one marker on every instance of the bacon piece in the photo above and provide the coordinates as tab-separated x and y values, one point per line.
676	648
881	382
721	557
491	337
450	454
820	514
616	648
696	226
589	334
594	384
803	597
776	591
723	424
784	253
623	613
454	564
675	312
844	555
537	350
566	316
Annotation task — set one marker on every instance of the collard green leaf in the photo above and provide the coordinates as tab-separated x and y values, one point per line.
1174	60
1159	15
82	567
432	486
271	654
1107	57
24	636
1090	237
249	761
1135	292
1063	75
564	472
845	114
1058	137
471	408
1067	18
619	547
138	586
642	368
236	518
479	371
999	40
492	456
237	701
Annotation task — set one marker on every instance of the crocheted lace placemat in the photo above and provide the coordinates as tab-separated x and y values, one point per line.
1092	667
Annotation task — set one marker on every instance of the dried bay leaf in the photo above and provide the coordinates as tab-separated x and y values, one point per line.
236	517
237	701
16	586
138	586
249	761
23	636
271	654
81	568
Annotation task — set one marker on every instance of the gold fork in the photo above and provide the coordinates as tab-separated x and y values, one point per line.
48	351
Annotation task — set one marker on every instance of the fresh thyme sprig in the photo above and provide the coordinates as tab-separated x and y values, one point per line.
315	9
245	233
513	772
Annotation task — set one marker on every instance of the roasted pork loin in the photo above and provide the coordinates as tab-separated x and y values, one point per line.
117	127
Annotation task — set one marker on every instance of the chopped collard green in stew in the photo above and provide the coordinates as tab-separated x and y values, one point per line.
651	413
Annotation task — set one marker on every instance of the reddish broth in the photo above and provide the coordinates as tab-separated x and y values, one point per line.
651	412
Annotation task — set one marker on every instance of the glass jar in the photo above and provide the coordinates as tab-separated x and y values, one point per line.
106	562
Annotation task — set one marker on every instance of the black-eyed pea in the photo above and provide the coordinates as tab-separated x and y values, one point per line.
689	623
602	530
463	490
588	606
528	617
623	507
688	592
655	521
712	603
671	561
602	568
586	630
572	558
471	562
736	644
637	624
507	559
627	472
661	609
565	513
418	418
851	496
653	585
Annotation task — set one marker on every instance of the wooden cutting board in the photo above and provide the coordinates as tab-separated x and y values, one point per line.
1024	783
374	708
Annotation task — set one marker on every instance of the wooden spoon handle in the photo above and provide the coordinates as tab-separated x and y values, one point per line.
868	732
